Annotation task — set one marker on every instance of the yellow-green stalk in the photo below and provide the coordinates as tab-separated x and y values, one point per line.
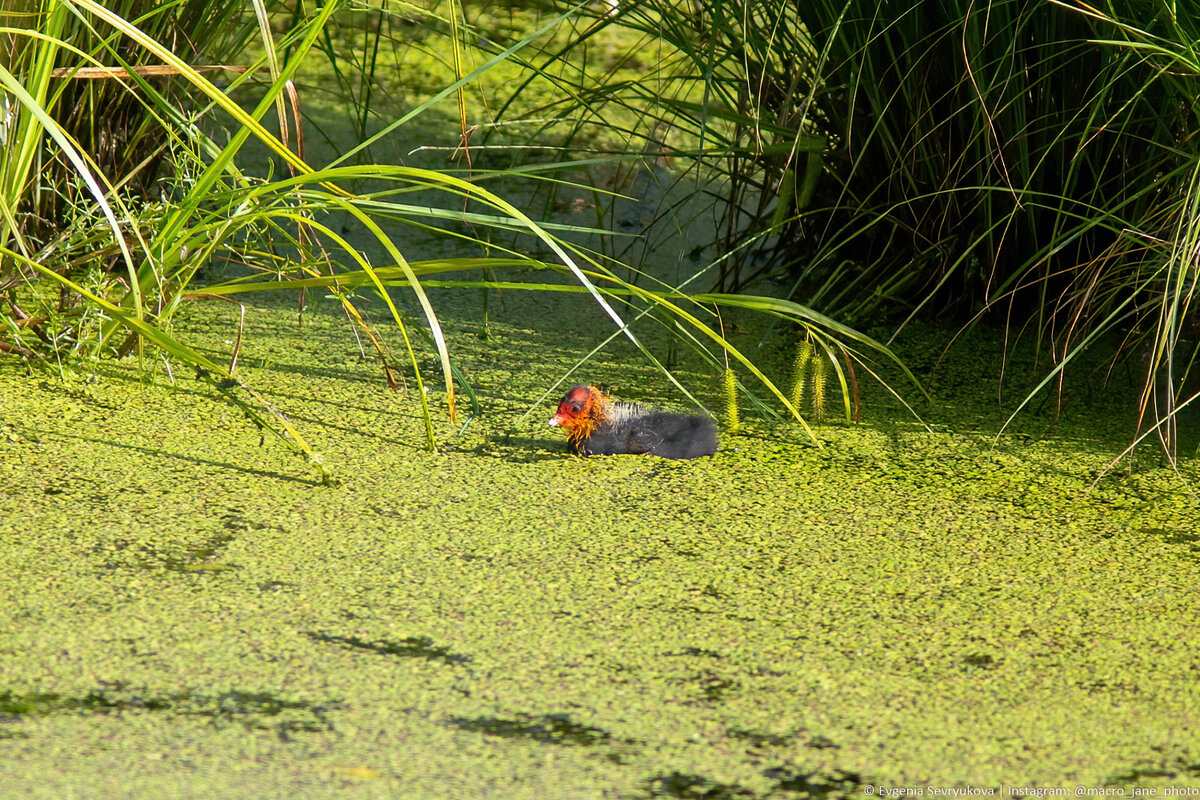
729	395
804	352
818	367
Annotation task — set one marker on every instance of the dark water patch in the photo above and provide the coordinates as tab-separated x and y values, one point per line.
252	710
1180	537
546	729
765	672
716	688
409	647
1106	687
274	586
1151	773
759	739
196	559
1177	537
696	651
688	608
691	609
235	522
14	707
687	786
981	660
711	688
809	784
1135	775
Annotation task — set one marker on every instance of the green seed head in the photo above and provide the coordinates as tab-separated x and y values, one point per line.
800	370
819	368
729	396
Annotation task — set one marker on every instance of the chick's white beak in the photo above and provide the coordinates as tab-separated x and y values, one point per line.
556	420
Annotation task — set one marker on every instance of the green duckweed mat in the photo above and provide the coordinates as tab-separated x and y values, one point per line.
188	612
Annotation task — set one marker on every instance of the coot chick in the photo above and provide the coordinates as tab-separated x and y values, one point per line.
596	426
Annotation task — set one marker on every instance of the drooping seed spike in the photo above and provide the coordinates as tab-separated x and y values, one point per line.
729	396
819	368
800	370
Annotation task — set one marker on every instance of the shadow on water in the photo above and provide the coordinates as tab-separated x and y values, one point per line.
552	729
196	559
409	647
252	710
1185	539
1179	770
160	453
788	783
756	740
546	729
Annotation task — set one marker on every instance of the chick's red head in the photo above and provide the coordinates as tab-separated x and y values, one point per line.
580	411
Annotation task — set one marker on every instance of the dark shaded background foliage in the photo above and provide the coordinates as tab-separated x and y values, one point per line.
970	149
996	147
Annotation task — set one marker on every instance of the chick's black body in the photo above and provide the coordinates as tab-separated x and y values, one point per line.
597	426
654	432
